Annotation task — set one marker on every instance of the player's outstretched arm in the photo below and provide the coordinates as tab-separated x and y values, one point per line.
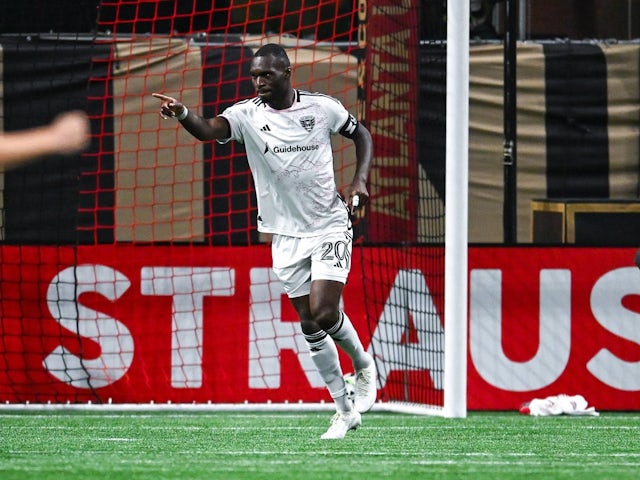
67	134
216	128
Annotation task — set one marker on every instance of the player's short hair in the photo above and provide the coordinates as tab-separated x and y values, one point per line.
273	49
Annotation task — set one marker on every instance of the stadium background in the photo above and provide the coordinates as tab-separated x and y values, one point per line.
578	138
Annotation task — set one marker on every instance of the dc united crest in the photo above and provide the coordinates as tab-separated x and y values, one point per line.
308	122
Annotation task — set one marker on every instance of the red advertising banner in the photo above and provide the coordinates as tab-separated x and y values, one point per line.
545	321
151	324
389	31
199	324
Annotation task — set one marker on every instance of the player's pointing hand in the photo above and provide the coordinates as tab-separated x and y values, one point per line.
170	107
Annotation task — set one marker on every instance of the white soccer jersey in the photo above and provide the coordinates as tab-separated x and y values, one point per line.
289	152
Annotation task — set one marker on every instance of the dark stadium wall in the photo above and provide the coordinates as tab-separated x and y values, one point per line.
577	120
573	100
581	19
41	198
42	16
79	199
229	175
576	19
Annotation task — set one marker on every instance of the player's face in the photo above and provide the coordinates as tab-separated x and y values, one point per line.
271	78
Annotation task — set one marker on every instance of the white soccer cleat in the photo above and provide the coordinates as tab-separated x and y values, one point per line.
341	423
366	391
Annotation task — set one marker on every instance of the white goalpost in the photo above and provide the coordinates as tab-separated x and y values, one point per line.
456	212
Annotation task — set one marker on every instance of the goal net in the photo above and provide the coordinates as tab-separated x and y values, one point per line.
133	273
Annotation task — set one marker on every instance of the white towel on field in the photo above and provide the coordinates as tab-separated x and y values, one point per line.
558	405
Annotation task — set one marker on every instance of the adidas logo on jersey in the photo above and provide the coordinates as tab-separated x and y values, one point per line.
266	128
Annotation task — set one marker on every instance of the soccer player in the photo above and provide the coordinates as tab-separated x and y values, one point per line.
286	133
68	133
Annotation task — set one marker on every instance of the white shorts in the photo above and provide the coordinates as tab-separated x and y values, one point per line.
299	261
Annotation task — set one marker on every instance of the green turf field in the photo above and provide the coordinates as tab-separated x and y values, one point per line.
285	445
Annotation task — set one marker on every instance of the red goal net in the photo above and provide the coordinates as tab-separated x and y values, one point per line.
168	188
150	281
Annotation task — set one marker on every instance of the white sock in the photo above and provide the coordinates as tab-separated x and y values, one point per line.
325	357
347	338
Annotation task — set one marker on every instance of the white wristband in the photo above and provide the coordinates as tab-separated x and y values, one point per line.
183	115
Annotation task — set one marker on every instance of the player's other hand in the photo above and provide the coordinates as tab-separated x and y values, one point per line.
71	131
355	198
170	107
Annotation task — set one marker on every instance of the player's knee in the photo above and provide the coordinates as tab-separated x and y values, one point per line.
308	326
326	316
